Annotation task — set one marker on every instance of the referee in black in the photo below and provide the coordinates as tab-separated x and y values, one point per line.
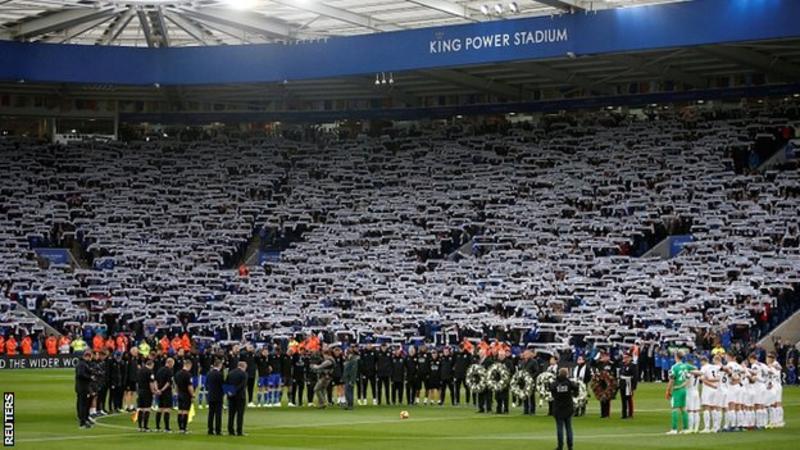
164	391
183	383
146	387
83	381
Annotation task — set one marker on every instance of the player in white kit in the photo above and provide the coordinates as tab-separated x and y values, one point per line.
775	390
693	401
710	398
758	395
734	413
747	400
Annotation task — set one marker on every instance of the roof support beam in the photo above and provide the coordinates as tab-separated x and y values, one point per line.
236	33
475	82
162	27
113	32
71	33
447	7
145	21
772	66
339	14
61	20
661	70
190	28
250	22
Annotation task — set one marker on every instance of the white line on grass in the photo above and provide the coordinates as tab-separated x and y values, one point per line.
370	422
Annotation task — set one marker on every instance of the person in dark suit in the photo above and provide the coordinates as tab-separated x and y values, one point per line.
248	355
461	361
214	381
502	395
383	369
446	370
237	398
83	380
485	396
115	382
398	376
563	391
629	380
529	363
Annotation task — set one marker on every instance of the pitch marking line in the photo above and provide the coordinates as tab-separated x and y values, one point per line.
364	422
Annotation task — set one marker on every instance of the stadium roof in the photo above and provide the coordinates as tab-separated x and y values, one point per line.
178	23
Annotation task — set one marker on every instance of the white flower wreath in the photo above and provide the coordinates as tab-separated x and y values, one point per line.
522	384
543	383
476	378
497	377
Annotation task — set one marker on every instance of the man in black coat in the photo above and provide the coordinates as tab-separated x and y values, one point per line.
398	376
131	365
446	376
298	377
366	372
83	380
563	391
237	398
485	396
115	382
502	395
248	355
383	369
461	362
215	393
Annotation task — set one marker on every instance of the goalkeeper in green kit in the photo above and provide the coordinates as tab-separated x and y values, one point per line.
676	392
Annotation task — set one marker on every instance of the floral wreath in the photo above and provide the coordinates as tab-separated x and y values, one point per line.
543	383
476	378
604	386
522	384
583	394
497	377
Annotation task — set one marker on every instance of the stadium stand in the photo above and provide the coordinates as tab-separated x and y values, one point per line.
556	217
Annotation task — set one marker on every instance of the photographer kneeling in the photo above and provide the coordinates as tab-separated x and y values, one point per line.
563	390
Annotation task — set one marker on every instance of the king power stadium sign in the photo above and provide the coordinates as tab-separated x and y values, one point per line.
38	362
497	40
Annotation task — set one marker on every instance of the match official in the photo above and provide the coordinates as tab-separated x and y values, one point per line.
146	387
183	383
164	391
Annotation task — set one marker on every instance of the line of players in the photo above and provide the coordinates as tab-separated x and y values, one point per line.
394	376
734	394
419	375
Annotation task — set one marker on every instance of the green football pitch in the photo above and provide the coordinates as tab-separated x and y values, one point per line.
45	419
